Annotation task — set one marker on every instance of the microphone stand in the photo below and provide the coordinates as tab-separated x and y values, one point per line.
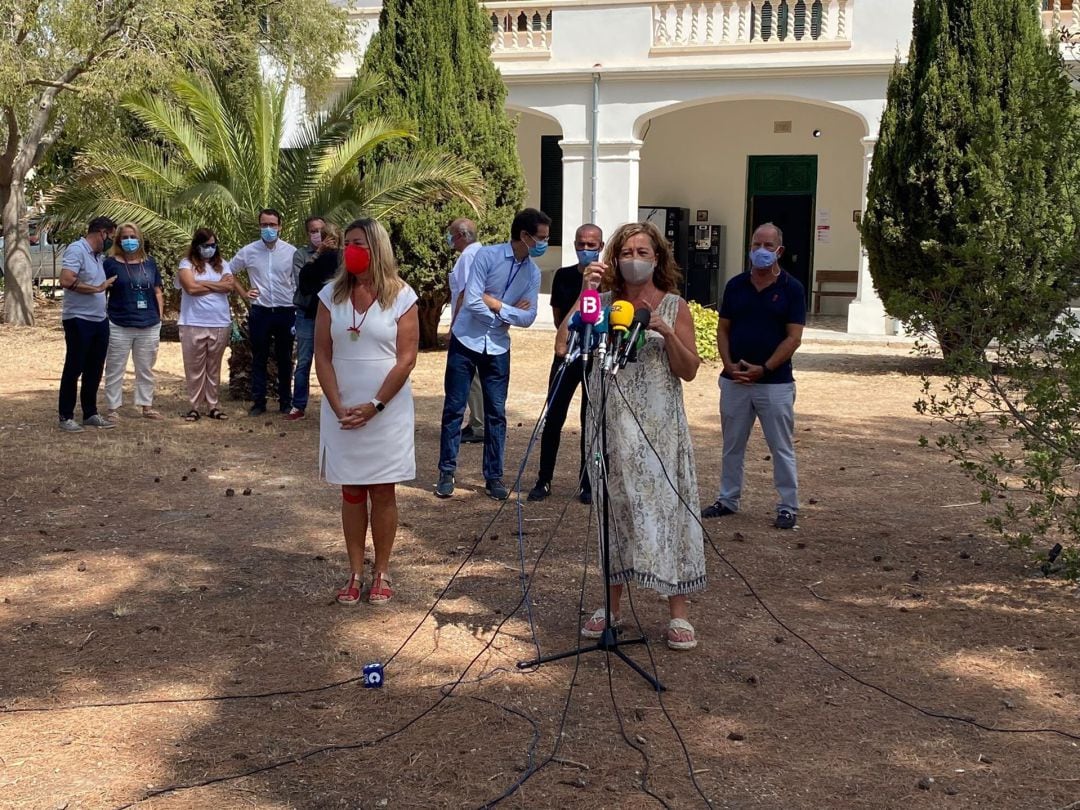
609	641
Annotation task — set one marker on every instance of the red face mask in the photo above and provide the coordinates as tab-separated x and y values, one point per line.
357	259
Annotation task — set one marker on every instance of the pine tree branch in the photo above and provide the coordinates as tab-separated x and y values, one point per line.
58	85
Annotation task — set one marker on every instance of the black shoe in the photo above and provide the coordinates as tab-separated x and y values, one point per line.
716	510
496	489
585	496
541	491
785	519
445	487
469	436
256	410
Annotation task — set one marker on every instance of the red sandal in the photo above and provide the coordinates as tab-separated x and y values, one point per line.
350	594
381	593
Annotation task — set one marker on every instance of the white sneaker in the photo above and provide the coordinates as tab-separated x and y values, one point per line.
71	426
98	421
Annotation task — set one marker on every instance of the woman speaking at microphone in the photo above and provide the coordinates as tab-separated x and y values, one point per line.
366	337
658	542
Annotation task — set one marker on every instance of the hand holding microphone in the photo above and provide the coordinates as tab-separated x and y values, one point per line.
594	274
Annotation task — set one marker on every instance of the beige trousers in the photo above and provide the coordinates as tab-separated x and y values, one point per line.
203	347
141	344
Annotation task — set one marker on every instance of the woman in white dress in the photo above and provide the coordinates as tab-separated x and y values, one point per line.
366	337
659	543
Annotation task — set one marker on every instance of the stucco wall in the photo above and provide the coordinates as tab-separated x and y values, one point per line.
530	129
697	158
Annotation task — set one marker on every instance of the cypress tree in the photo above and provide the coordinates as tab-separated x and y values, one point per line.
972	218
436	56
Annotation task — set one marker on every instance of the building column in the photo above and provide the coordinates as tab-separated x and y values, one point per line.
575	196
619	174
866	314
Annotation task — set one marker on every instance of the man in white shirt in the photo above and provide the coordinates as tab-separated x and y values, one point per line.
269	265
462	238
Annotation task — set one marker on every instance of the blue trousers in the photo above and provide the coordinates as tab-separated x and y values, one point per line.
305	351
774	406
494	372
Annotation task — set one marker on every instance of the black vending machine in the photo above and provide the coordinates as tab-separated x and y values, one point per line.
705	266
674	223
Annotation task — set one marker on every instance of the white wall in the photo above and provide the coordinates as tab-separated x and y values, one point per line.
697	158
530	129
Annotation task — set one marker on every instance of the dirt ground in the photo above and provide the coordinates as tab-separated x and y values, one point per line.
127	573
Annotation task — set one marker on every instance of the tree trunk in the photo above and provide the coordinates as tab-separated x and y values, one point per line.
18	271
429	311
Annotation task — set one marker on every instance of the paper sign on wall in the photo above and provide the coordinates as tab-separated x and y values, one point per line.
824	227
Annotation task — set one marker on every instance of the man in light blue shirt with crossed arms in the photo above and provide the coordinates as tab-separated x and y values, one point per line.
480	344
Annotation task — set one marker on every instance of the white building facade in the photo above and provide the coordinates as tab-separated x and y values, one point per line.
709	117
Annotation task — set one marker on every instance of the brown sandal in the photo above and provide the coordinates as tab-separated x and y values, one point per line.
192	416
216	414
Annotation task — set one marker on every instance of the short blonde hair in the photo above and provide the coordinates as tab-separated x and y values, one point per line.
118	253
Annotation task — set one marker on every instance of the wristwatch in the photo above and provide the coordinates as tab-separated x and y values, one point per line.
378	405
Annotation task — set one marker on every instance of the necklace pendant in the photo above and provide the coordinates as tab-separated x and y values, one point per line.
354	335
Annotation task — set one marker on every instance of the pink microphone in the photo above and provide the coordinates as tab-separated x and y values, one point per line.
590	309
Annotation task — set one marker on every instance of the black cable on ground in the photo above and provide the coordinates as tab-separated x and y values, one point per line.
694	512
334	684
445	692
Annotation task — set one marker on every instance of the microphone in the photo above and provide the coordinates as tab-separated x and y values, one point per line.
575	335
620	318
590	312
640	322
600	335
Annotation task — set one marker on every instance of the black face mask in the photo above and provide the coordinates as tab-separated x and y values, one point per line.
106	244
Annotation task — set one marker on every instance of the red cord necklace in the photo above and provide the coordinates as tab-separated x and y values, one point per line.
354	330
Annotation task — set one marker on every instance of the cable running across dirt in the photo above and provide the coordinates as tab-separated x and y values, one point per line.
445	692
313	689
839	668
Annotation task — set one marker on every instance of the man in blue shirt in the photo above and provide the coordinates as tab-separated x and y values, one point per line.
480	343
86	327
762	317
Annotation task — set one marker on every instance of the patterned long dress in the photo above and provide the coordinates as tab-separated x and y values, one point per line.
658	543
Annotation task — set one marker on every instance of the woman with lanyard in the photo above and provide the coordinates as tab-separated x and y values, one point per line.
134	309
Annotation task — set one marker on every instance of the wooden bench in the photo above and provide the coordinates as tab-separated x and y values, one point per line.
823	277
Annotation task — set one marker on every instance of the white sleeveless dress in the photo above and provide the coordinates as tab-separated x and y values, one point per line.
659	545
382	451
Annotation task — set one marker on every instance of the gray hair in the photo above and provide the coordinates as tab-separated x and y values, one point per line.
775	227
464	227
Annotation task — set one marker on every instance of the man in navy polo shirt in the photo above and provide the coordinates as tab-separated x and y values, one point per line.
762	317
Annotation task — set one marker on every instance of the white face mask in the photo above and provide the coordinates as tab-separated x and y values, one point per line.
636	271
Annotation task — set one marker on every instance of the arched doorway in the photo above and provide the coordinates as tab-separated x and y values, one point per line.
729	165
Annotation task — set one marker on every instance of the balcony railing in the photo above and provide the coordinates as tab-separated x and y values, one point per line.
520	30
752	24
1059	14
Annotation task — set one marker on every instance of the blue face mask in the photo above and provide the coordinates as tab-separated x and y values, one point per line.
587	257
269	234
761	258
129	244
449	240
538	249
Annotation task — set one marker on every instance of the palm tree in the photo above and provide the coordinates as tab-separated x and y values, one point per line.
213	162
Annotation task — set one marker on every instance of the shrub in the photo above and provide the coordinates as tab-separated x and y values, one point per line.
706	320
